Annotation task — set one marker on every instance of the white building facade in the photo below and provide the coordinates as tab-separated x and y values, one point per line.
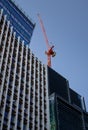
24	103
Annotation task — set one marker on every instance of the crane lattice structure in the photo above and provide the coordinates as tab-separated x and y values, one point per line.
50	52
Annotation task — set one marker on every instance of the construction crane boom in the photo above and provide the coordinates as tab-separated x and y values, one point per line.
44	32
49	51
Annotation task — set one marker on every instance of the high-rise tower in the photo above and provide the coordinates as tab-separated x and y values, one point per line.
24	103
67	107
23	26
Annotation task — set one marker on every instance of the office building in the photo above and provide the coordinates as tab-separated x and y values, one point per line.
24	103
58	84
23	25
86	120
67	107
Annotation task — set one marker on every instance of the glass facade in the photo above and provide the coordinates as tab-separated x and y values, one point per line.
22	25
66	106
52	113
76	99
69	118
65	116
57	84
86	120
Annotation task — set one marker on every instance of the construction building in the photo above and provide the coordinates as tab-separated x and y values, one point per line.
67	108
24	103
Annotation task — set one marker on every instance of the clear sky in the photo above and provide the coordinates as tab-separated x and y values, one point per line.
66	25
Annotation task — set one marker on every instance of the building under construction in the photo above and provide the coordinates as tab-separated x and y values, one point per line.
32	95
67	108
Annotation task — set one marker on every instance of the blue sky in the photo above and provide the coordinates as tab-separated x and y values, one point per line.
66	25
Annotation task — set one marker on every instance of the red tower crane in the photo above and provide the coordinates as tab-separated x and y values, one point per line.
50	52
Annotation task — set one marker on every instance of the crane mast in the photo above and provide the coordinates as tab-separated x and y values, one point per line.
49	51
